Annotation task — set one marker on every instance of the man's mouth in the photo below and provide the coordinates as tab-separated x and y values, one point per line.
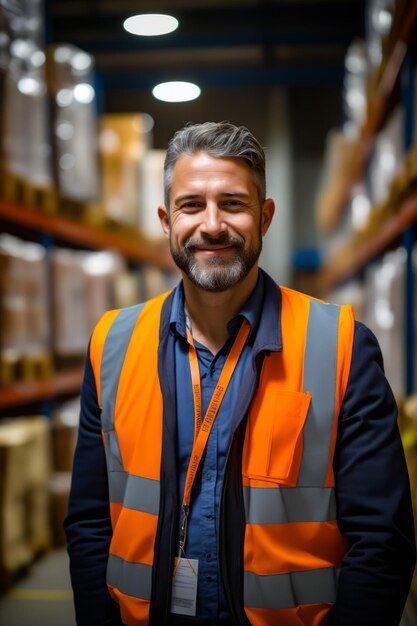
216	248
213	247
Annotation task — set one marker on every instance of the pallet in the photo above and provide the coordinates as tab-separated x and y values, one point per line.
18	189
25	368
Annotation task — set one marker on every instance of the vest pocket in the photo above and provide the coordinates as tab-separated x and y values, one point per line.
274	435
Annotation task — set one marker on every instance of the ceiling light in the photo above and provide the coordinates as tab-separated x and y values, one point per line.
150	24
176	91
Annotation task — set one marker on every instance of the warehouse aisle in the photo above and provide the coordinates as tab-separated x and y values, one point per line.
43	597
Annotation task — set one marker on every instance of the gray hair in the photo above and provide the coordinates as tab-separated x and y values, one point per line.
218	139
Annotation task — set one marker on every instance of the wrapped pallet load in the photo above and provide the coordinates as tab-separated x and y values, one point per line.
25	528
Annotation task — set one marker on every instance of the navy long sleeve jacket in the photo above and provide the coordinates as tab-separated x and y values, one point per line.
372	491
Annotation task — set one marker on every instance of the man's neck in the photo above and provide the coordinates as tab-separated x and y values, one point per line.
209	312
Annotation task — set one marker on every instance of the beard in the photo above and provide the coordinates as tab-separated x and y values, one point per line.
218	273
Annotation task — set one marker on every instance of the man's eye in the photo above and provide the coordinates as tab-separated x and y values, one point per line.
233	203
192	204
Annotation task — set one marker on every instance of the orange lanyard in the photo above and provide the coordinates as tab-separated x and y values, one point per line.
202	429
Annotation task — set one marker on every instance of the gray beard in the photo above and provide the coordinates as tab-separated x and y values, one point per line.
221	273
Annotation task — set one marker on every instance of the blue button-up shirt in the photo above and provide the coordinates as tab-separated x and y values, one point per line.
202	534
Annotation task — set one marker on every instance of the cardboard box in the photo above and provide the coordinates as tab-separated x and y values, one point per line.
59	488
25	528
64	435
123	143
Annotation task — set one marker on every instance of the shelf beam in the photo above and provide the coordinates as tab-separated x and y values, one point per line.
358	257
130	244
378	111
29	392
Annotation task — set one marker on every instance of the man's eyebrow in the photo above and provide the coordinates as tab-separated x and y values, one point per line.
187	196
234	194
223	194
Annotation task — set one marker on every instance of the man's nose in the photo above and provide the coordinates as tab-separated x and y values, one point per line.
213	223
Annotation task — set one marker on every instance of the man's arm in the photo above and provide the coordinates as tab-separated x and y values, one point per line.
87	525
373	497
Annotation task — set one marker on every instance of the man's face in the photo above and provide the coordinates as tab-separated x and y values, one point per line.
215	222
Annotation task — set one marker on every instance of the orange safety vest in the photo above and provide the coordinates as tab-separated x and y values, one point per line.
292	548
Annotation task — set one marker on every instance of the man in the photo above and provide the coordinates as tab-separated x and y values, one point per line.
238	459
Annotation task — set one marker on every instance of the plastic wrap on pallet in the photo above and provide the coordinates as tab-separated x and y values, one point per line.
75	126
340	150
387	156
124	141
151	192
23	297
384	313
24	493
64	434
354	85
378	21
102	270
352	292
69	289
25	132
83	289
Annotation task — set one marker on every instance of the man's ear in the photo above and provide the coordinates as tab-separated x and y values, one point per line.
268	210
164	219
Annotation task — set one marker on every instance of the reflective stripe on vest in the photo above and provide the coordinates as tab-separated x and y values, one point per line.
133	579
114	352
280	505
320	380
134	492
287	591
127	579
308	503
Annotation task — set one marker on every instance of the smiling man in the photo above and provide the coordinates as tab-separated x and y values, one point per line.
238	459
215	224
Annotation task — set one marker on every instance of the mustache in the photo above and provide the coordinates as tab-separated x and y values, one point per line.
193	243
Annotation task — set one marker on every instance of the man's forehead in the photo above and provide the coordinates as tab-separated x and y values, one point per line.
202	165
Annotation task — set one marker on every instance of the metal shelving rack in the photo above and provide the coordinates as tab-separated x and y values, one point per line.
131	244
396	82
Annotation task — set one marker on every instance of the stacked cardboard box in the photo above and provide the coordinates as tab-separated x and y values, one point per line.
24	332
83	288
64	437
151	193
24	494
26	146
124	140
74	124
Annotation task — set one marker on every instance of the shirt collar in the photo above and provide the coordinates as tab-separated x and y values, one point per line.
251	310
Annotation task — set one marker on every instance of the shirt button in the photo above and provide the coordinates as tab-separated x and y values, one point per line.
208	556
209	516
208	476
209	579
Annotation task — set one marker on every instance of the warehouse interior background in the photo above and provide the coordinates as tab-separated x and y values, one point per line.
328	87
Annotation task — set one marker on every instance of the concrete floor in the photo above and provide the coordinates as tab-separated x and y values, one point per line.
44	598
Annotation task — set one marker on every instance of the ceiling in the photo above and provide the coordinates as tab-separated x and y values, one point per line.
234	49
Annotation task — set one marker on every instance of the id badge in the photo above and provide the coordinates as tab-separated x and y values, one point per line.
184	587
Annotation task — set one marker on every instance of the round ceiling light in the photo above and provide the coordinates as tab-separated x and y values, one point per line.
176	91
150	24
